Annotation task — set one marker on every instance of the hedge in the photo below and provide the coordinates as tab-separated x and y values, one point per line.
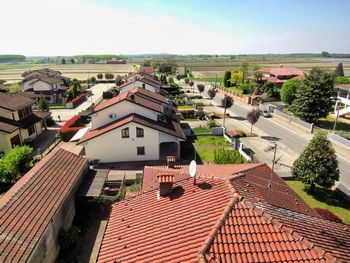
223	156
71	127
188	113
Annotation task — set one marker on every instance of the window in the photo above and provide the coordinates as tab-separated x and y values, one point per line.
31	130
141	150
125	133
139	132
143	85
24	112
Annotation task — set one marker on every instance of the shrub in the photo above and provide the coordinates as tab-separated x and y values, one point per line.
200	104
211	124
326	214
193	97
188	113
68	239
70	128
14	163
223	156
107	95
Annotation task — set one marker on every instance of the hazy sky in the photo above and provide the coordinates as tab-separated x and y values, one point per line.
68	27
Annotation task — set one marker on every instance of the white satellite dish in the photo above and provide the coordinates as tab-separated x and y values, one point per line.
193	170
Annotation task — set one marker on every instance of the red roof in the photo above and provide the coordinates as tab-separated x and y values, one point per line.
134	97
27	209
148	69
218	220
172	127
281	71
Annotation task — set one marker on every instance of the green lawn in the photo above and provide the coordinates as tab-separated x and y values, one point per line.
209	141
213	79
207	156
328	124
235	90
323	198
186	107
201	130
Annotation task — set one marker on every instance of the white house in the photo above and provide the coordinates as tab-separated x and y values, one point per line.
48	87
134	126
145	83
138	75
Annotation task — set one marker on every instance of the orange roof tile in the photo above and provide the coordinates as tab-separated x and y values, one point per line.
172	127
28	207
216	221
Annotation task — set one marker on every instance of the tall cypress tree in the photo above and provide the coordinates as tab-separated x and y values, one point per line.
339	71
318	163
227	77
314	97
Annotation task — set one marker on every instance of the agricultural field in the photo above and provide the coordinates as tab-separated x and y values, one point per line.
215	68
12	72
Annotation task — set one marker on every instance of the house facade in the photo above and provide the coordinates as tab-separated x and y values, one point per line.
279	75
141	125
143	82
19	124
46	83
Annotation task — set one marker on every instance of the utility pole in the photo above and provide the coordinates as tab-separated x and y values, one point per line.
274	157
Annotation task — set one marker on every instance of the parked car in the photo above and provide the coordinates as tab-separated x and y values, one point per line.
265	113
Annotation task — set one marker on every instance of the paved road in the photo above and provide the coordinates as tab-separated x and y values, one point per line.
290	138
97	91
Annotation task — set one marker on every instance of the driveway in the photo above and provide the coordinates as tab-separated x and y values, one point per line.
97	91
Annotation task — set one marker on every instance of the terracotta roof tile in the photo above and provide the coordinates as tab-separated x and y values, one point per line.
172	127
218	220
28	207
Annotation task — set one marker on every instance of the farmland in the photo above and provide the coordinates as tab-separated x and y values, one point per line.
12	72
201	68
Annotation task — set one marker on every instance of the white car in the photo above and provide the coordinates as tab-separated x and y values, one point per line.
265	113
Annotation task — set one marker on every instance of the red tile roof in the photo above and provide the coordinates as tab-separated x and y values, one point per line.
172	127
216	221
165	178
28	207
134	97
282	71
148	69
146	80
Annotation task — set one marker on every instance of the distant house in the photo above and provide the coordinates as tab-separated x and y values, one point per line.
138	75
119	61
231	213
141	124
39	206
147	69
143	82
48	87
45	82
279	75
18	123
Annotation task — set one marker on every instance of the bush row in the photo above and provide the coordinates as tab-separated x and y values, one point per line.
223	156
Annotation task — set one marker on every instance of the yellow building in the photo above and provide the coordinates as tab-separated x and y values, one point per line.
18	123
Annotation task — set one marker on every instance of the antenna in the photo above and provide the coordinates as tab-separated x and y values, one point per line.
193	170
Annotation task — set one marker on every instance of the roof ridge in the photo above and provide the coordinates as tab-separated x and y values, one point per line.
274	221
232	202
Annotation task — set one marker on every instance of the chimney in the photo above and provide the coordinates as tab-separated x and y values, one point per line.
165	183
170	161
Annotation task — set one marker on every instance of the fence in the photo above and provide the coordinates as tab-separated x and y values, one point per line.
296	120
339	139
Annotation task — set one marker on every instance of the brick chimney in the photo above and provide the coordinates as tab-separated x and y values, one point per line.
165	181
170	161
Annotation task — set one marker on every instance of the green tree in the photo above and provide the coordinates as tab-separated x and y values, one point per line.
227	78
118	80
14	88
42	104
15	163
236	77
63	61
314	97
244	68
317	164
187	80
212	93
339	70
72	61
289	90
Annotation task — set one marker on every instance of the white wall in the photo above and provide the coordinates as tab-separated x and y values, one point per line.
121	110
138	84
111	147
28	84
40	86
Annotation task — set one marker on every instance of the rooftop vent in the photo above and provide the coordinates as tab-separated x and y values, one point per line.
165	181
